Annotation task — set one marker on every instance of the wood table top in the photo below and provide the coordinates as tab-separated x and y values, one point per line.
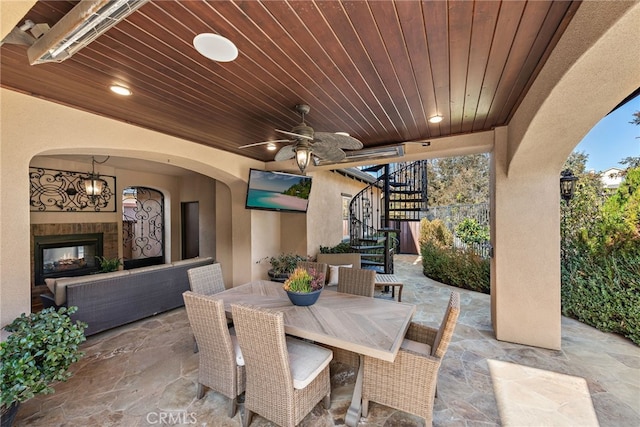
368	326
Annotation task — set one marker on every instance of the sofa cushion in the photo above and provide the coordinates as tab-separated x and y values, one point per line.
51	284
60	286
190	261
148	268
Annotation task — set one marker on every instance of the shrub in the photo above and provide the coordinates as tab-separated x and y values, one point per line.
108	264
435	231
456	267
604	292
470	232
340	248
284	263
38	353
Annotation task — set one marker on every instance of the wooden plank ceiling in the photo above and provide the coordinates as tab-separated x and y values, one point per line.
377	70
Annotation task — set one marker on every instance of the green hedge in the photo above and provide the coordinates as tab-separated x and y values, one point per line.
604	292
456	267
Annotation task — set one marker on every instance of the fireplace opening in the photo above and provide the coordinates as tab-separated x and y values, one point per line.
66	255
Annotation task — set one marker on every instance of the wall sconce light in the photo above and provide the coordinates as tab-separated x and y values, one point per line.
93	184
303	155
567	184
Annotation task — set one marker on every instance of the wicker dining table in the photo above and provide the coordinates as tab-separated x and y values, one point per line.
368	326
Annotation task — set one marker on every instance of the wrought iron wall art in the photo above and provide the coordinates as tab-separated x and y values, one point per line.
63	191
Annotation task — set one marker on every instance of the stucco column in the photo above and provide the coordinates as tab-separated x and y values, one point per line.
525	268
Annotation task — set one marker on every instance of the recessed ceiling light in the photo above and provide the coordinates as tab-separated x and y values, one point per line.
120	90
271	146
435	119
215	47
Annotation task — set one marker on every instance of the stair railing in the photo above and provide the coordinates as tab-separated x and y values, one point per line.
373	207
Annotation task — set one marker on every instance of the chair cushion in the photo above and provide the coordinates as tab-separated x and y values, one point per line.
306	361
333	273
236	347
416	347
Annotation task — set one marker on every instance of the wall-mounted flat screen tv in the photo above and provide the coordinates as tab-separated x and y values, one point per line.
278	191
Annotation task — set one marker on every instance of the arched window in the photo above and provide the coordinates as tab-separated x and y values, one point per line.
142	227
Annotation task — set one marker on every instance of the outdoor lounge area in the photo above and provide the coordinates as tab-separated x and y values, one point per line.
135	374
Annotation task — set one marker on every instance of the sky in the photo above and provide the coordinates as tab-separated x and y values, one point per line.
612	139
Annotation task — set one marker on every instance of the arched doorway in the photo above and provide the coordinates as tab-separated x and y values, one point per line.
142	227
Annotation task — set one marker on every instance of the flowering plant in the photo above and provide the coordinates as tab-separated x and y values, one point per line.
304	281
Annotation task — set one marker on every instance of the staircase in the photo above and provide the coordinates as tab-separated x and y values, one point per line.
398	194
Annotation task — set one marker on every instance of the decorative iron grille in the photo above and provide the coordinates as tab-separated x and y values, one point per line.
62	191
142	223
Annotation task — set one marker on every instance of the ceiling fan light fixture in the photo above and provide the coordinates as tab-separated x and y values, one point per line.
303	157
436	119
215	47
342	133
120	90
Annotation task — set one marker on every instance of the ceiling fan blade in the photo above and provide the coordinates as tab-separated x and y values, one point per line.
285	153
327	151
264	142
295	135
341	141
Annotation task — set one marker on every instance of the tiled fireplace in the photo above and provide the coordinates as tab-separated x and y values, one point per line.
63	250
66	255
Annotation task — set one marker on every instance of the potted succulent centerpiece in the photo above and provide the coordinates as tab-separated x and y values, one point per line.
303	286
282	265
37	353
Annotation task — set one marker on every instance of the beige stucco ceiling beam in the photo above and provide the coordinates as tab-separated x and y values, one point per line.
432	148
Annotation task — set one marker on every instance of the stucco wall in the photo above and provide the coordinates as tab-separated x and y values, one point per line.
201	189
324	216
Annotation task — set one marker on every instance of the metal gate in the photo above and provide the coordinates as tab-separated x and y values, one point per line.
142	227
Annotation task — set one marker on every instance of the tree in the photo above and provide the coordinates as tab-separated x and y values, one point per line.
576	162
620	227
458	180
581	216
633	161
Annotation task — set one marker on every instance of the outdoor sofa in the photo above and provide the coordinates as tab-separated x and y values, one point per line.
108	300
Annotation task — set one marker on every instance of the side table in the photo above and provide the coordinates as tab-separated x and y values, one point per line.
390	280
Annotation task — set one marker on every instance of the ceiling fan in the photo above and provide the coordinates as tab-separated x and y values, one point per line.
324	145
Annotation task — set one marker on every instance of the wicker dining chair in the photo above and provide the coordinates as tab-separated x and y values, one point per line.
206	280
409	382
356	281
319	267
286	377
221	366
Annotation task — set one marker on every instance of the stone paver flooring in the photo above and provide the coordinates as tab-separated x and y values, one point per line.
144	374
